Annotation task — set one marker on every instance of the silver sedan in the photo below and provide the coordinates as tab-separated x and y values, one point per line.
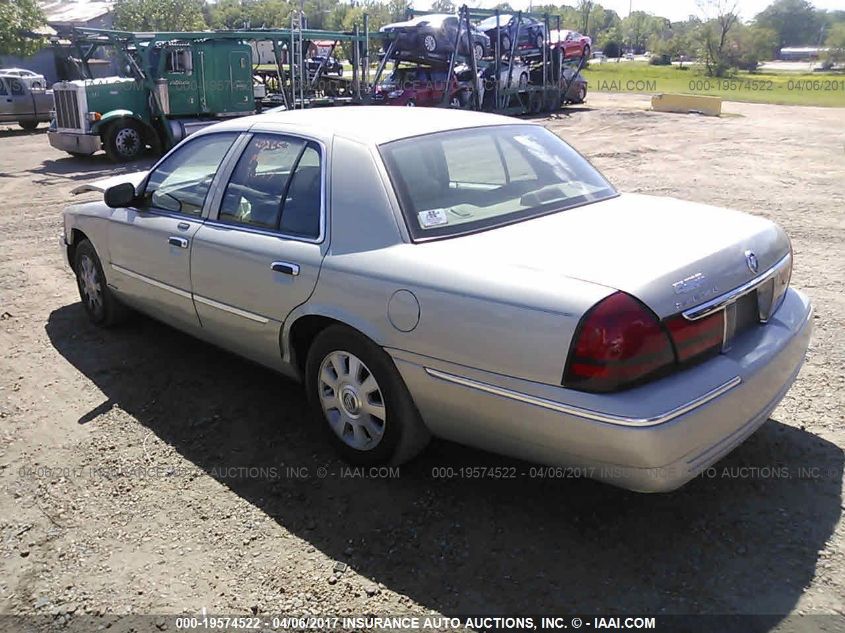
463	275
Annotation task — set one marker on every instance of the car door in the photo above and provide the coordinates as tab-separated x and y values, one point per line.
150	243
259	254
6	106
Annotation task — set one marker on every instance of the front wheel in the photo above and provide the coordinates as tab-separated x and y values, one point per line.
429	43
29	126
506	44
478	51
360	400
587	52
101	306
124	141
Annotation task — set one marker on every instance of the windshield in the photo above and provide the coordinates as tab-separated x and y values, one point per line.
455	182
490	23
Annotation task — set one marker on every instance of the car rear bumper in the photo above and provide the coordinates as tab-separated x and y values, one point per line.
72	142
652	438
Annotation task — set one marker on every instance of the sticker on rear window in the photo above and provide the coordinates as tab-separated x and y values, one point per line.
432	217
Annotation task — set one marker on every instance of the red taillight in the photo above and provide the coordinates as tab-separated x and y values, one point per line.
618	342
694	338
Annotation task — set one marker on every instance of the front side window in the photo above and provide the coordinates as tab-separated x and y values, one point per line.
179	61
276	185
181	182
3	90
455	182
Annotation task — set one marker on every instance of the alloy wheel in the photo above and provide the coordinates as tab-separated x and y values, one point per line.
351	400
89	283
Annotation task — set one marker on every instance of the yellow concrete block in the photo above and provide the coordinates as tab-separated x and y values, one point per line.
711	106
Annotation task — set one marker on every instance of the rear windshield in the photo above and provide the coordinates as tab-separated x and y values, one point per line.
457	182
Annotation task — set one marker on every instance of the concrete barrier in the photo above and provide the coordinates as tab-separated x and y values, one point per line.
685	104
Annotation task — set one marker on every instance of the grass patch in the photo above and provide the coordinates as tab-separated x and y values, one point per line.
808	89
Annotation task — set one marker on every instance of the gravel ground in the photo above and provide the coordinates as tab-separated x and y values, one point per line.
125	455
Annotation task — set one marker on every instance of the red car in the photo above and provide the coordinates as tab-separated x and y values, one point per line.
573	43
416	86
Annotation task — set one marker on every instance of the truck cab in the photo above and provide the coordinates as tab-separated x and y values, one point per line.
173	88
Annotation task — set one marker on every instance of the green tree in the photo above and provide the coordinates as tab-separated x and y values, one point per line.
398	9
18	21
160	15
835	43
797	22
443	6
713	35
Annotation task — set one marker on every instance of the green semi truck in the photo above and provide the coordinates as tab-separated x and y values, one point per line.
174	84
174	87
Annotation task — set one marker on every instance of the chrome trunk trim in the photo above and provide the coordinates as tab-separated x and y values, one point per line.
716	304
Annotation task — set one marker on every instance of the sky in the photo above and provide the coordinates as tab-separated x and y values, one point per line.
673	9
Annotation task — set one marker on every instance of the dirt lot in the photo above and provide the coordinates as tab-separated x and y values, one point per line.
82	411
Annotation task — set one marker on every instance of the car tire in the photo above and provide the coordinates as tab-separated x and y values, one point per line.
582	95
478	51
411	103
100	304
539	41
429	43
29	126
523	81
505	42
587	52
347	377
124	141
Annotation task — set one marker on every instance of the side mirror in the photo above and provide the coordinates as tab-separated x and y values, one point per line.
121	195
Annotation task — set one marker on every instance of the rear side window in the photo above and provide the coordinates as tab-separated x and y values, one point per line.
277	186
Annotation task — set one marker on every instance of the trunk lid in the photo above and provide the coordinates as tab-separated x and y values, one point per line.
670	254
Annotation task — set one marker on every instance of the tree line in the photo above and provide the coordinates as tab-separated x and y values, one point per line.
715	36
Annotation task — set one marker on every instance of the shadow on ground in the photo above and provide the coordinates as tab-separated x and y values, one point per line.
725	544
89	167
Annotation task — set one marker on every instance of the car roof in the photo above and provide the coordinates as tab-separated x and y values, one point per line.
368	124
504	18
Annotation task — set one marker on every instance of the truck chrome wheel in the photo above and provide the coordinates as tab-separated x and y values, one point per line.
128	142
351	400
90	285
430	43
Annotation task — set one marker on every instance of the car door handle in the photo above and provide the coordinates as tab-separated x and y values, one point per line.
181	242
286	268
183	226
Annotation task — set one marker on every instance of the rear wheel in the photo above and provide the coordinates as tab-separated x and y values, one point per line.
124	141
360	400
29	126
523	81
587	52
506	44
478	50
539	41
101	306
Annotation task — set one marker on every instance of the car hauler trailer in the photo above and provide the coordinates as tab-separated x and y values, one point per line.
495	82
176	83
